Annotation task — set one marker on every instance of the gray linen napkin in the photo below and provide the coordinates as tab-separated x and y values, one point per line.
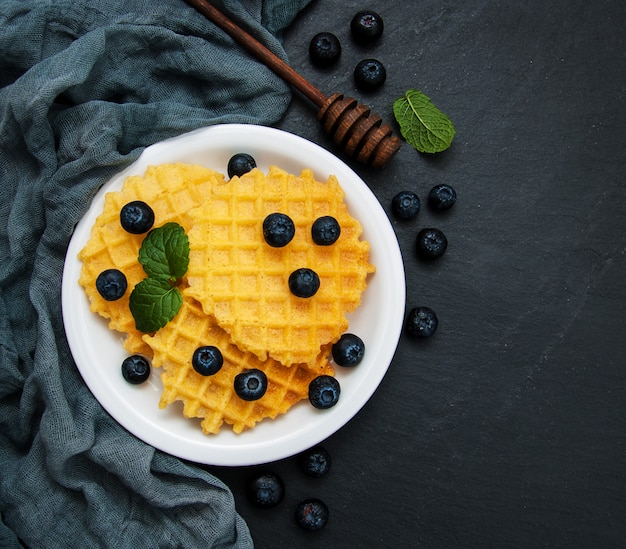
84	87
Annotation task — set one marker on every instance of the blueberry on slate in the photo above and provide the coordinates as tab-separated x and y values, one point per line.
136	217
325	230
278	229
324	49
366	27
406	205
349	350
441	197
207	360
369	74
304	282
315	462
135	369
251	384
324	392
421	322
431	243
311	514
266	490
111	284
239	164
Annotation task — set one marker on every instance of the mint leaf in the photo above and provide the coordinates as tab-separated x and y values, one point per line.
164	253
422	124
153	303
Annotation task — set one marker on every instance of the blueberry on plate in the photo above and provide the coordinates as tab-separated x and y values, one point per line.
315	462
111	284
135	369
441	197
136	217
266	490
278	230
406	205
311	514
324	49
421	322
304	282
431	243
366	26
369	74
251	384
324	392
207	360
349	350
325	230
239	164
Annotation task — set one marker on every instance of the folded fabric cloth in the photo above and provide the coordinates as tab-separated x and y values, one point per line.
84	87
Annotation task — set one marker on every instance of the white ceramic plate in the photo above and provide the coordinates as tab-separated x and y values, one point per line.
378	321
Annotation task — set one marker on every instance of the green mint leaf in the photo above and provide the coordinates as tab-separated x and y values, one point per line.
422	124
153	303
164	253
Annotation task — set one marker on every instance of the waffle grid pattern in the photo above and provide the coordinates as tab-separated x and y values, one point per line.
213	398
171	191
243	281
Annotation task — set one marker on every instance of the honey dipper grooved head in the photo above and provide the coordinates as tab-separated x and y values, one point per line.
358	131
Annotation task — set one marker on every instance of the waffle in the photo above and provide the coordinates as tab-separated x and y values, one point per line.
213	398
171	190
243	282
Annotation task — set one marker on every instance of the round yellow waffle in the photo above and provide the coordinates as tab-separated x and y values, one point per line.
171	190
213	397
243	281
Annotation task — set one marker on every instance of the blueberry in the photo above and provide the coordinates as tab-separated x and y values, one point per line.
304	282
324	49
441	197
349	350
431	243
311	514
251	384
421	322
111	284
315	462
369	74
135	369
406	205
325	230
207	360
239	164
266	490
324	392
278	229
136	217
366	27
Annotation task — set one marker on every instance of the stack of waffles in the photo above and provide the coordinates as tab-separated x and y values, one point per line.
235	292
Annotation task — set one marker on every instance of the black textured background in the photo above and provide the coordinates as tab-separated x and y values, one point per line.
507	428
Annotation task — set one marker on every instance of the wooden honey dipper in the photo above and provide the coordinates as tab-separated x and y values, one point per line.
351	125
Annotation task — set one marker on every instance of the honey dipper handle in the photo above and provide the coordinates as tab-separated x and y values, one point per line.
259	51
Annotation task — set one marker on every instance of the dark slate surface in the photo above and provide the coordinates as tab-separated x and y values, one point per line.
507	428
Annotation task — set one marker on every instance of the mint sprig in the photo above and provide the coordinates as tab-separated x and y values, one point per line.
423	125
164	255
